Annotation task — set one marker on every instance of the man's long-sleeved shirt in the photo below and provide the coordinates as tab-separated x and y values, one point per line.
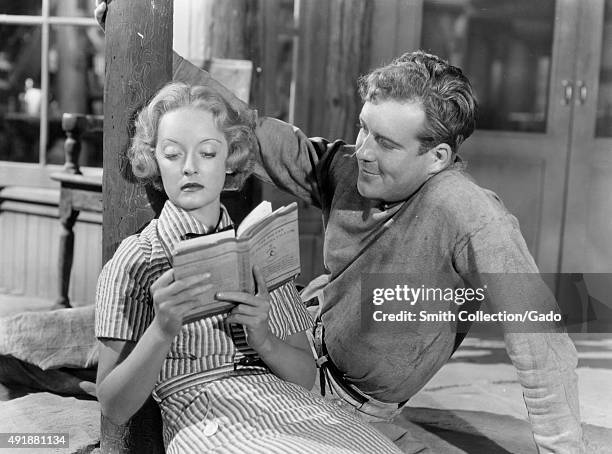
451	233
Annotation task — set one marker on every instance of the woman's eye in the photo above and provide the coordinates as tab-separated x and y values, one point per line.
208	151
171	152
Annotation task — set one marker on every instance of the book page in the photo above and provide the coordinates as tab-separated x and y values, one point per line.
274	247
186	246
225	262
257	214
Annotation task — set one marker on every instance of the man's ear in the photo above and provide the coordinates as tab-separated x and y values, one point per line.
441	157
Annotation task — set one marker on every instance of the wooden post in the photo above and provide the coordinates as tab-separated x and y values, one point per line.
138	63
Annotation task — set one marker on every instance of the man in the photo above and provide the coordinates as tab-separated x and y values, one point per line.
399	201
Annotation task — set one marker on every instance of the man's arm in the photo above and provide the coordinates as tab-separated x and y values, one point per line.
295	163
543	354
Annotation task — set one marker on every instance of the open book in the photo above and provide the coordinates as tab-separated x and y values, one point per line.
265	238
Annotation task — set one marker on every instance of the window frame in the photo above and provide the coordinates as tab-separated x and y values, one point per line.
38	174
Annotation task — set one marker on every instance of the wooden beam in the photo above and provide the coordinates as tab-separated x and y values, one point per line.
334	50
138	63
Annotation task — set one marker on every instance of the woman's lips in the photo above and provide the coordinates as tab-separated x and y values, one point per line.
191	187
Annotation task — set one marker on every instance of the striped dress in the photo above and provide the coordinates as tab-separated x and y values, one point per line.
254	412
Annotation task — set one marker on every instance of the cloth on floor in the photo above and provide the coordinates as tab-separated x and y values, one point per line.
52	351
51	339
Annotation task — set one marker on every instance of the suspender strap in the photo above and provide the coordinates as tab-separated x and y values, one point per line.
328	370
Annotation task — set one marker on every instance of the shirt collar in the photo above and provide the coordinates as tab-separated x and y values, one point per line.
174	223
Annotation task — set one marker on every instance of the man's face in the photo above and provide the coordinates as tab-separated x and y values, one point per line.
390	168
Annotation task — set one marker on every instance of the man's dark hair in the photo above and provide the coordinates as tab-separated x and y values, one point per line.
442	90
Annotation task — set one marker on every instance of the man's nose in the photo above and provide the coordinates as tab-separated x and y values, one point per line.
363	149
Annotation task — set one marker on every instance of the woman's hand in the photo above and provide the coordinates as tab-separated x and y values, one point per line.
253	312
100	13
173	300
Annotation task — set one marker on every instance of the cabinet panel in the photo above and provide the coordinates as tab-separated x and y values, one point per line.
588	219
515	54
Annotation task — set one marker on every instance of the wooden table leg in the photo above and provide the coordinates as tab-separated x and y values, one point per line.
68	217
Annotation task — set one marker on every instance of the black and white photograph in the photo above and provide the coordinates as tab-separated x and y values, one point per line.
306	226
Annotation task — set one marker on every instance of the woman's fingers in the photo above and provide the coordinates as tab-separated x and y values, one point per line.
238	319
188	283
178	306
244	309
166	278
251	315
186	306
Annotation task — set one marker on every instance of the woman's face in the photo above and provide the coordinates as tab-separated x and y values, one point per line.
191	154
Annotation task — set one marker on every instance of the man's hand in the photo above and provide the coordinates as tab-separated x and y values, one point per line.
253	312
100	13
173	300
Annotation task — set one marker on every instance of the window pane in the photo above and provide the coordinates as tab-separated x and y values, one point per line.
72	8
25	7
604	101
76	78
19	92
505	48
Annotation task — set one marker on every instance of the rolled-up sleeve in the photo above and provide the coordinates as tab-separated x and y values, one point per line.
295	163
288	315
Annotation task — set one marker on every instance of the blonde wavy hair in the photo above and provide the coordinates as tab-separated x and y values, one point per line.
237	127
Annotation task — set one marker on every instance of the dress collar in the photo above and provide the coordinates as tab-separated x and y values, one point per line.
174	223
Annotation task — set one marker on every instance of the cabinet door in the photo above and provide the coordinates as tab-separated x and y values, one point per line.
587	245
515	53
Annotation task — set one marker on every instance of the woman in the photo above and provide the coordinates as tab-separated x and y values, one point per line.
218	389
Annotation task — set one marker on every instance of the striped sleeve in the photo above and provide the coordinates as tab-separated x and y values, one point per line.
123	306
288	315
